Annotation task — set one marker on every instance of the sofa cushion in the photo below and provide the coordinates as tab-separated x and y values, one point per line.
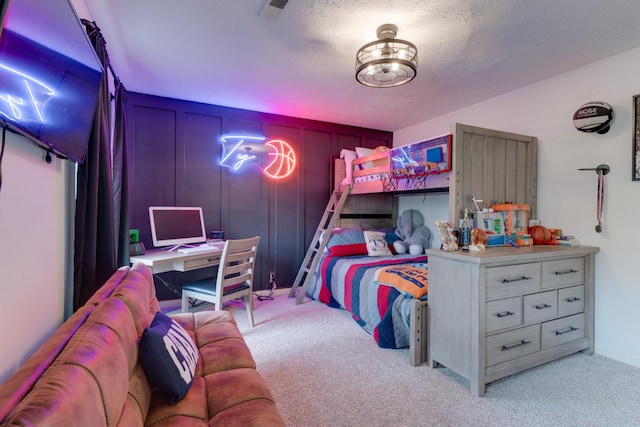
139	296
168	356
20	384
107	288
89	380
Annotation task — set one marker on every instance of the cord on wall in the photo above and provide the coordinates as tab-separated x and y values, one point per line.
272	275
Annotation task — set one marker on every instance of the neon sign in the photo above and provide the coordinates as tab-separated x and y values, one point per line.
25	97
275	158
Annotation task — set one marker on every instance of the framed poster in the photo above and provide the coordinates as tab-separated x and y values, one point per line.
635	171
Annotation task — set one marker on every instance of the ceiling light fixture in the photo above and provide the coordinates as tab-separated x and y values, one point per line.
386	62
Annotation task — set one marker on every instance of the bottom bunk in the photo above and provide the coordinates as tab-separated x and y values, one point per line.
386	295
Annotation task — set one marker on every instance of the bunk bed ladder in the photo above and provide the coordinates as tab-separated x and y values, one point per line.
319	242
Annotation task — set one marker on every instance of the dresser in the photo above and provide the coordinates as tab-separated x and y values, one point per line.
502	310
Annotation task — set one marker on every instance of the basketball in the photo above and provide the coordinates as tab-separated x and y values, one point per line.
540	235
593	117
283	161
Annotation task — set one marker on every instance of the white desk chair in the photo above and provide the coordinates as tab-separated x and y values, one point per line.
233	281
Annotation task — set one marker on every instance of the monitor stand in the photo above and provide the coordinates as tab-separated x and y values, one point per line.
173	248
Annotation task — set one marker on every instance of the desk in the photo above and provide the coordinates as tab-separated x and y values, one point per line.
162	261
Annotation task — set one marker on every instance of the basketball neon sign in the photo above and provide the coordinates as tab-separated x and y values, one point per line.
274	157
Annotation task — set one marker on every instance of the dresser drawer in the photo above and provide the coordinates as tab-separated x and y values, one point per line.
503	313
512	280
512	344
540	306
562	330
562	272
570	300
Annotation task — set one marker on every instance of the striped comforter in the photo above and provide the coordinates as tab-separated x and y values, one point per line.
350	283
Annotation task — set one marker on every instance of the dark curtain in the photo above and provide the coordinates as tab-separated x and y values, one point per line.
120	177
94	250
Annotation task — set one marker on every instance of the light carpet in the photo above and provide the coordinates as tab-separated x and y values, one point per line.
324	370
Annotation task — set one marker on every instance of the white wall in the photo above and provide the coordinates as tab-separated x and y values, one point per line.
34	242
566	196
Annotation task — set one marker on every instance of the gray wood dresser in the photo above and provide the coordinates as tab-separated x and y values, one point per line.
502	310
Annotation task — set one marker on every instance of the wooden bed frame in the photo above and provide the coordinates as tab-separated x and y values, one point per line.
495	166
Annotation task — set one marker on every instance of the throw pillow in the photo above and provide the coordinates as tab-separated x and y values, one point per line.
347	242
363	152
349	156
168	357
377	243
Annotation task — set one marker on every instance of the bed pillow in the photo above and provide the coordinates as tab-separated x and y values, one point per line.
349	156
392	237
347	242
168	357
362	152
377	243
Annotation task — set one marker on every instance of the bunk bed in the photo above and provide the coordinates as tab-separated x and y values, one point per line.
495	165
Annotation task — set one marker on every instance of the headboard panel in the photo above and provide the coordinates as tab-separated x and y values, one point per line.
495	166
369	211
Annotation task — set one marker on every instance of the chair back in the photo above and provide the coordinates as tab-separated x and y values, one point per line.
236	269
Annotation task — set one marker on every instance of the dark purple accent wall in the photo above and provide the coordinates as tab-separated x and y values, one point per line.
174	161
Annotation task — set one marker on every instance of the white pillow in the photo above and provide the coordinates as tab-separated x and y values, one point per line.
348	156
362	152
377	243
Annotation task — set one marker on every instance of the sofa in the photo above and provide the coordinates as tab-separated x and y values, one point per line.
89	372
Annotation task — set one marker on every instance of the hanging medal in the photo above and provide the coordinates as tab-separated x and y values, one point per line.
601	170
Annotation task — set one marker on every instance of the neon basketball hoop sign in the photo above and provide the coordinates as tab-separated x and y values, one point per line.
274	157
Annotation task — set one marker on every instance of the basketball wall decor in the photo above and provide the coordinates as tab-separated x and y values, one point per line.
595	116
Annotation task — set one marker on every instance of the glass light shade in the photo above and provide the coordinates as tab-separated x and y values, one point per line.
386	62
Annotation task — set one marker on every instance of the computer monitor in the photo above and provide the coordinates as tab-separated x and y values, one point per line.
176	226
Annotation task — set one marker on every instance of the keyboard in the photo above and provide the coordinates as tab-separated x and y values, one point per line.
198	249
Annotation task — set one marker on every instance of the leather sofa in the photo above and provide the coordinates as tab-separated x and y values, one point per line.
88	372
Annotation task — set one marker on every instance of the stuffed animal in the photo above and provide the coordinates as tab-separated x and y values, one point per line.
414	236
478	240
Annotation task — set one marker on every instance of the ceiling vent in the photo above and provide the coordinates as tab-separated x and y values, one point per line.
273	9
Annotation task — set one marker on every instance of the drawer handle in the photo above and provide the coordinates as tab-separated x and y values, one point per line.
558	273
573	299
516	280
505	314
541	306
509	347
564	331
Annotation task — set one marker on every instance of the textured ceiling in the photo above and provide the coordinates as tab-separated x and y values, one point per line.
301	64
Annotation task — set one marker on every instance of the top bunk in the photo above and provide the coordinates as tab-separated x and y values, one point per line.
421	166
493	165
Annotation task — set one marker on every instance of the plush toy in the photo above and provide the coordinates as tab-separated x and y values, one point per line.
414	236
478	240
